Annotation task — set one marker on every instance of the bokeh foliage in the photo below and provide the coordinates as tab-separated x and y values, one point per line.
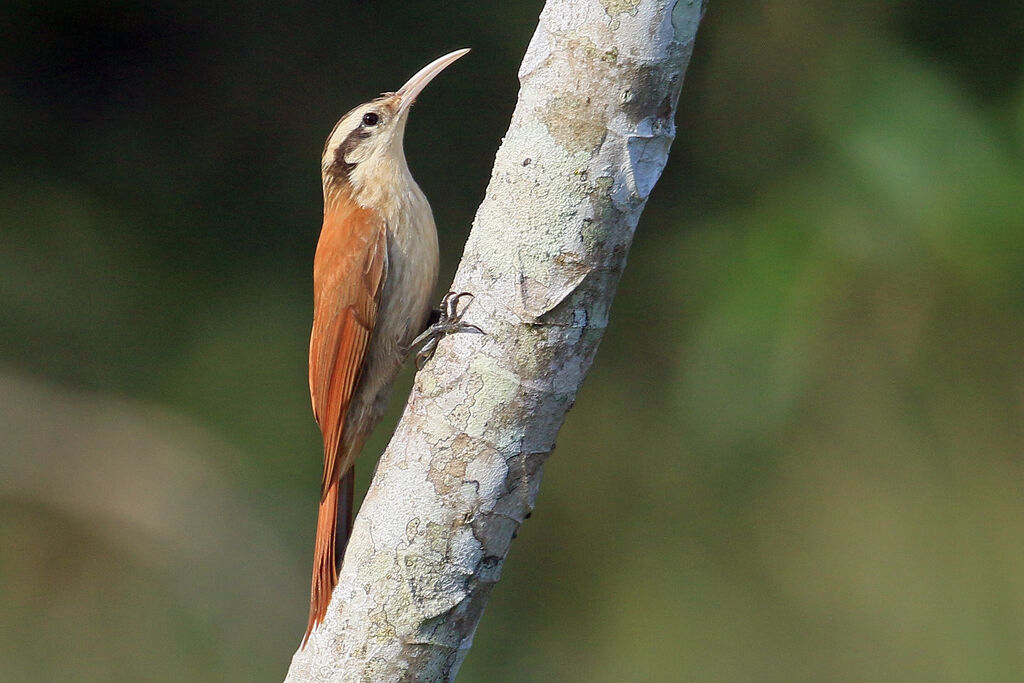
798	455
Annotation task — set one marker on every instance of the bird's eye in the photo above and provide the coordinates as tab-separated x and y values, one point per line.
370	119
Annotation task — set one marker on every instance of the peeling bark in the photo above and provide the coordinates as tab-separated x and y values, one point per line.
588	140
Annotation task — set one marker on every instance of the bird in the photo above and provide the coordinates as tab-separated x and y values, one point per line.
374	273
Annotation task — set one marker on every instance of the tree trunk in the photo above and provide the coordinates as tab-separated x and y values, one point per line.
588	140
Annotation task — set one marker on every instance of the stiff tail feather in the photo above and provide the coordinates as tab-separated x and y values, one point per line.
331	539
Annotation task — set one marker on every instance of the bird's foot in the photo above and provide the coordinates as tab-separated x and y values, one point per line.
448	320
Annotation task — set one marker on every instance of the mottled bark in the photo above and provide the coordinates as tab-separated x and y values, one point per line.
588	140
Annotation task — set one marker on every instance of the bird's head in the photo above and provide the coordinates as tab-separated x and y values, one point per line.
365	147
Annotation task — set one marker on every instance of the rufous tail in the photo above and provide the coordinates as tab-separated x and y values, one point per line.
331	539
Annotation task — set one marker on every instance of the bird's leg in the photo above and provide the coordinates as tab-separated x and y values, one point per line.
444	321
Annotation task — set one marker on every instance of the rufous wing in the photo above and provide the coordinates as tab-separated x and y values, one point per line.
348	277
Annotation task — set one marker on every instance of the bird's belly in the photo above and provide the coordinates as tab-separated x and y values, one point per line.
403	313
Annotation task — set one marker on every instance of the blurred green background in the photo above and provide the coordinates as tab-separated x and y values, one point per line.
798	455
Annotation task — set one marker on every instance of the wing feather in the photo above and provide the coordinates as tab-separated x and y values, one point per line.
348	276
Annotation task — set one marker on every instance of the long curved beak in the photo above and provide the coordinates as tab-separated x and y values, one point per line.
415	85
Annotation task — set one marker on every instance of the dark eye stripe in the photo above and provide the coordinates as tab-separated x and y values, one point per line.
340	167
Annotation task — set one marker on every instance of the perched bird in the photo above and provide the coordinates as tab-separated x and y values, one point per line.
373	275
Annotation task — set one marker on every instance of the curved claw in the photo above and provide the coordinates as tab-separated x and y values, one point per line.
449	322
426	353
